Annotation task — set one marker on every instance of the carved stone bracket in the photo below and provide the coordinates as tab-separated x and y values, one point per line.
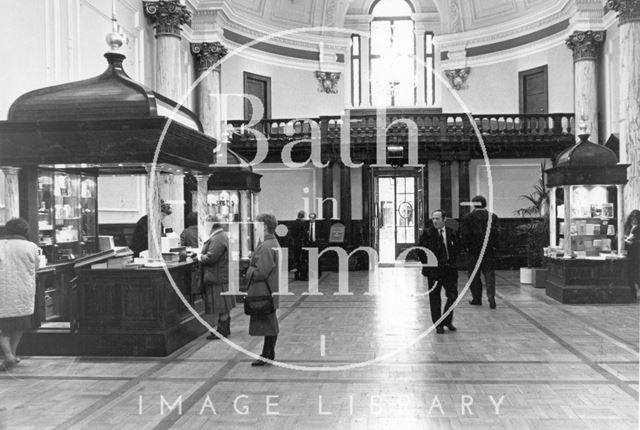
328	81
458	77
585	44
628	10
207	54
168	16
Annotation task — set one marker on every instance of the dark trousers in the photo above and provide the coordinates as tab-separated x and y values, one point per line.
269	347
633	267
487	268
447	278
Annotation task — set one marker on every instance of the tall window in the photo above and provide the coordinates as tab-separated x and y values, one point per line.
429	64
392	54
356	97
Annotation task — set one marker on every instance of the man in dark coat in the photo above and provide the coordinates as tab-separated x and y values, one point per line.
472	234
299	239
443	242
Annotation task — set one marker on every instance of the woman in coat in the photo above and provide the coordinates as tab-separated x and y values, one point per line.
214	258
263	274
18	264
632	240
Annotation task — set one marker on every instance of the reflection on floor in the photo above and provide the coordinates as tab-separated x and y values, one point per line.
361	361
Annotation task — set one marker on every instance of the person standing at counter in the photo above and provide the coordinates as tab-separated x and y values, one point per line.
18	264
140	239
298	241
214	258
263	280
632	241
189	236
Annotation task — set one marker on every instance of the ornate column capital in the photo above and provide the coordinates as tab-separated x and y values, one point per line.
585	44
458	77
207	54
167	16
628	10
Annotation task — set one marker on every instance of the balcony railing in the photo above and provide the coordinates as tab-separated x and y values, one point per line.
522	134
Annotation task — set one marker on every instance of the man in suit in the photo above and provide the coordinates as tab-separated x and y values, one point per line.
299	239
472	234
443	242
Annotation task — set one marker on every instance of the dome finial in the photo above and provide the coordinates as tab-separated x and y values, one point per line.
115	39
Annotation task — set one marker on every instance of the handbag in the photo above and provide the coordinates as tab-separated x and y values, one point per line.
259	305
197	279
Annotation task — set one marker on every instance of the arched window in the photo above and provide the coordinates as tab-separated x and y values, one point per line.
392	54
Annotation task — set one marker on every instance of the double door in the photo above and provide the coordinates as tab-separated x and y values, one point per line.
398	211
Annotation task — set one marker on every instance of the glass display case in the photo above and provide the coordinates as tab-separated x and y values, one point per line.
67	214
586	223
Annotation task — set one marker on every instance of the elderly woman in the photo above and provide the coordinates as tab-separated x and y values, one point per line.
632	241
18	265
214	258
263	275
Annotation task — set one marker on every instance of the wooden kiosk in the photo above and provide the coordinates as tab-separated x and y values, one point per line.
586	227
112	125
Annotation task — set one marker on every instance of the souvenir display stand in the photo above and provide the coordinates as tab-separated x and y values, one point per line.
586	227
61	138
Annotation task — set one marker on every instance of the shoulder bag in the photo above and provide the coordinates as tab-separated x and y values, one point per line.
259	305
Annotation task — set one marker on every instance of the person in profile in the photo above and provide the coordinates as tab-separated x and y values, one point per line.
189	236
444	244
214	258
298	240
140	238
473	232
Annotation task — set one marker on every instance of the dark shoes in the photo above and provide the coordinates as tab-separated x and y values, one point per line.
224	329
451	327
492	303
440	330
261	362
8	365
473	302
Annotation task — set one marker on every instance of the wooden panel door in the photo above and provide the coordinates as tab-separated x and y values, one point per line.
533	91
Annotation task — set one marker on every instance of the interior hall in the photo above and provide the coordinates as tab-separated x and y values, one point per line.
310	214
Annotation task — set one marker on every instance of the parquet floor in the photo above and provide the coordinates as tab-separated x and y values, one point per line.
360	362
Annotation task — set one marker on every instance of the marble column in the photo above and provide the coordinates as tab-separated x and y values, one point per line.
445	187
202	207
586	46
629	78
168	16
154	219
11	193
207	55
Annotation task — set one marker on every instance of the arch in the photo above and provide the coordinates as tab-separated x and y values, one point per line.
407	2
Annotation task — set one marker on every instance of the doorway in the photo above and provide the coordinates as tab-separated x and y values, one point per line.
259	87
533	91
397	214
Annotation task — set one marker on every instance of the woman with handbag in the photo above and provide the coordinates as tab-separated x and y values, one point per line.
263	282
214	258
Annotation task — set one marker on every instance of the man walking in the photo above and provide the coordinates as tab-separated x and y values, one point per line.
472	234
443	242
299	239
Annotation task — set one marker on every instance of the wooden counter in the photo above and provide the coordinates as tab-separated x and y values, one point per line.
588	280
126	312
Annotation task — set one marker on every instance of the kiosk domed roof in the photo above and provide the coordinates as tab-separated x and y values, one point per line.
113	94
586	153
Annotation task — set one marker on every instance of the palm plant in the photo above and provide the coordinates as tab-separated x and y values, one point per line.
536	230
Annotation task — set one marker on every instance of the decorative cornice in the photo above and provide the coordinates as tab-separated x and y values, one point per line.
458	77
628	10
328	81
168	16
207	54
585	44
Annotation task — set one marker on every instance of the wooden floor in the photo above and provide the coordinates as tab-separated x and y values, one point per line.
361	362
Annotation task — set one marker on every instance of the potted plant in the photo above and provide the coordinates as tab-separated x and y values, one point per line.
535	232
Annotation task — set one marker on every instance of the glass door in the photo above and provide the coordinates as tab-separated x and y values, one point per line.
396	213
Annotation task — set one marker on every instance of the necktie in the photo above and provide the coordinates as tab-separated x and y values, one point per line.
444	244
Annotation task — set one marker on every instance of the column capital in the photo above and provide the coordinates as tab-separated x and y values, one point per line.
10	170
628	10
207	54
167	16
585	44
